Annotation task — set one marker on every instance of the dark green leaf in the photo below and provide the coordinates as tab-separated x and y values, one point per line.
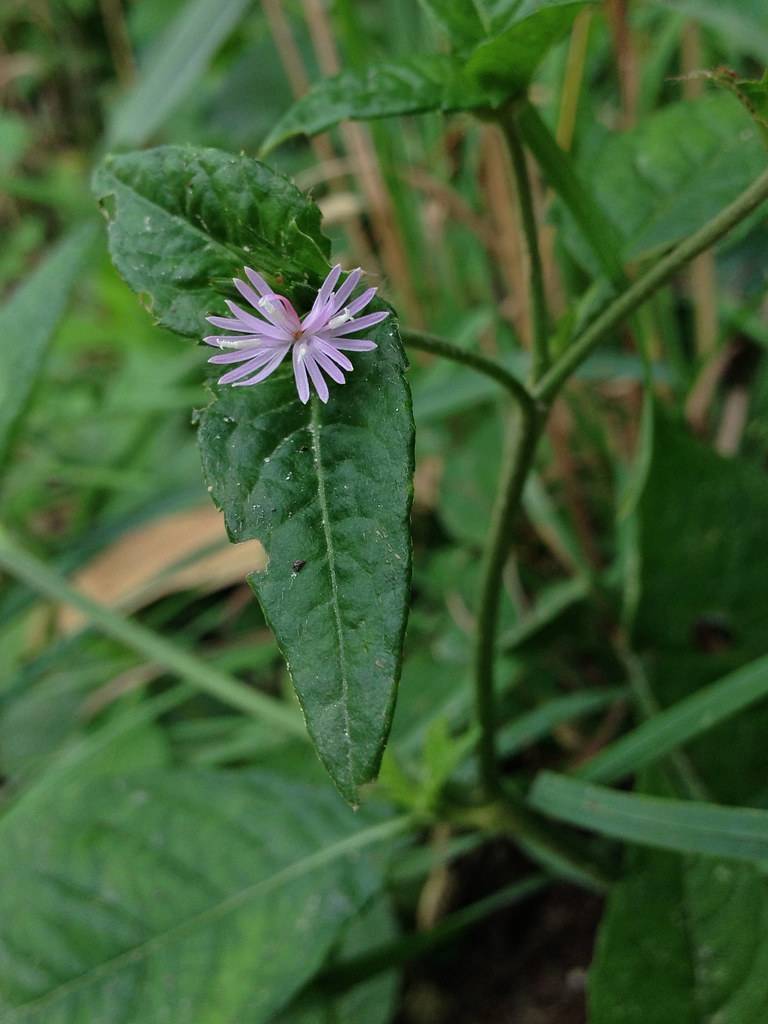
509	59
178	896
28	322
427	82
178	59
327	488
184	221
682	940
703	602
740	833
465	21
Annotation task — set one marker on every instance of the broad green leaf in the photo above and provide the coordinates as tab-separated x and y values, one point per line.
178	59
177	896
373	1001
465	21
703	602
184	221
680	723
411	86
683	940
509	58
666	178
327	490
740	833
28	321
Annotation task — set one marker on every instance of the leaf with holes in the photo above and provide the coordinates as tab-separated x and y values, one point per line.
326	488
327	491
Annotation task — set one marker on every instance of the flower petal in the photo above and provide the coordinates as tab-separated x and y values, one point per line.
328	365
346	290
360	302
333	353
300	373
238	356
360	324
317	376
257	281
354	344
248	293
247	367
269	368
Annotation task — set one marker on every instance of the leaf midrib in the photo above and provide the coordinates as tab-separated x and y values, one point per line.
314	431
312	861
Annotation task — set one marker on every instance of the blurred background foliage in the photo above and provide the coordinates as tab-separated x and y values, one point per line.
652	519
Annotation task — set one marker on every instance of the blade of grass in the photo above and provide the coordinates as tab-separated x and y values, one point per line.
28	322
740	833
155	648
666	731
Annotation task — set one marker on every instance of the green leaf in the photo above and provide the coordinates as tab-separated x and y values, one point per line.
28	322
372	1001
666	178
740	833
680	723
179	58
683	940
327	490
179	896
751	93
184	221
411	86
465	21
703	603
509	59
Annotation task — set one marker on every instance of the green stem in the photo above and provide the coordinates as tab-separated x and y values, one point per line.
36	574
521	447
439	347
539	317
645	286
558	168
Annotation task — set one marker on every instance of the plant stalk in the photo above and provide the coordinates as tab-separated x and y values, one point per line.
440	347
521	447
539	316
637	293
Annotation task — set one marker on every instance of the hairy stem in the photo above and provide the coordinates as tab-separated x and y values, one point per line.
539	317
440	347
521	447
637	293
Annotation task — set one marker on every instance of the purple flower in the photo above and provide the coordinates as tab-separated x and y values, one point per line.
271	328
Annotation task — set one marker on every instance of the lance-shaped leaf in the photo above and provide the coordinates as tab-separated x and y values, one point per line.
327	491
411	86
184	221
